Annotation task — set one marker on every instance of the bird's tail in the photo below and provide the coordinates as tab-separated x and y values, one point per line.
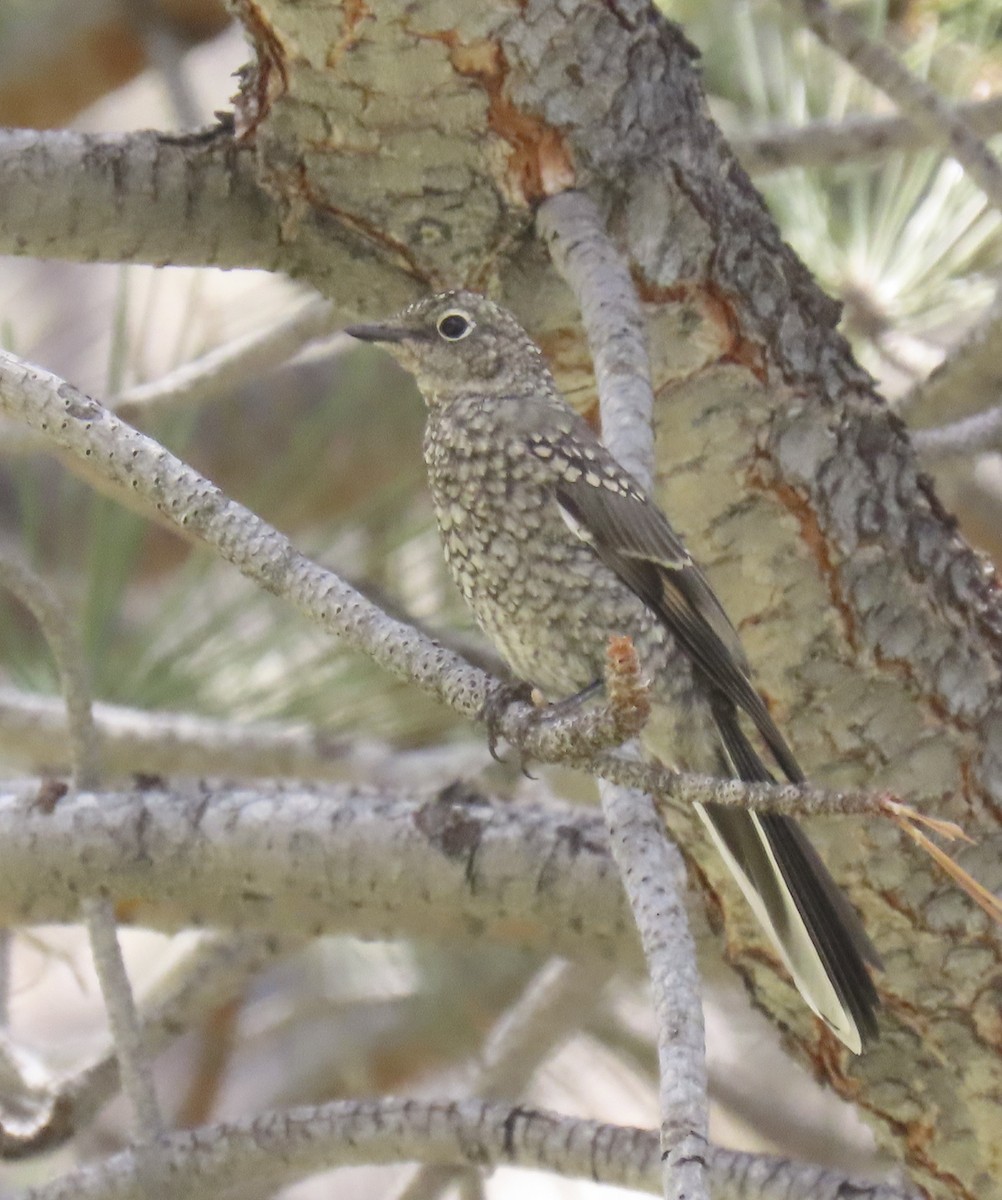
808	917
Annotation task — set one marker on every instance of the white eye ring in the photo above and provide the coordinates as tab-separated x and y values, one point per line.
455	325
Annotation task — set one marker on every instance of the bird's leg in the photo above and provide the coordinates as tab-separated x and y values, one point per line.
570	704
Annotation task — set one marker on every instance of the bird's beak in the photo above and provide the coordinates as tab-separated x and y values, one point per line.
379	333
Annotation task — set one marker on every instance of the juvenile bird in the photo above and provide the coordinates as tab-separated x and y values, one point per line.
556	548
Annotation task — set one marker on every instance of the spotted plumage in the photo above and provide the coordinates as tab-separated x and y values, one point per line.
556	549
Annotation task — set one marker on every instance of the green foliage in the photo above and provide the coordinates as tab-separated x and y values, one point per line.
905	240
335	461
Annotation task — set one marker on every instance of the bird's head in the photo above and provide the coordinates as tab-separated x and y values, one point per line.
458	343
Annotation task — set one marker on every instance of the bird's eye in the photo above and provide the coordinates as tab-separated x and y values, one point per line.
454	326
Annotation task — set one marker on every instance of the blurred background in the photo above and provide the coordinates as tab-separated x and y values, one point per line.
323	440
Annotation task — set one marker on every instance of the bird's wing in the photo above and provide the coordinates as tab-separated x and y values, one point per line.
812	924
633	538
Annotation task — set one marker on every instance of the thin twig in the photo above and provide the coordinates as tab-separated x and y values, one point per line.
877	63
653	874
970	372
214	971
98	913
68	654
674	789
830	143
213	376
236	362
970	435
33	731
123	1019
559	998
274	1148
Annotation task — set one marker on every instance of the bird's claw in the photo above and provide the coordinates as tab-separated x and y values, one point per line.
495	707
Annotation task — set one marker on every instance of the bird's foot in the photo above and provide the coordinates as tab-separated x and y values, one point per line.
495	707
497	704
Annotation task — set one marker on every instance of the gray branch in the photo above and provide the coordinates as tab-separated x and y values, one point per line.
877	63
186	200
320	860
275	1148
651	867
34	733
970	435
558	999
67	651
597	273
831	143
137	197
216	970
98	914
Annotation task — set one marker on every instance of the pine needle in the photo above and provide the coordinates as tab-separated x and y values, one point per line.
908	819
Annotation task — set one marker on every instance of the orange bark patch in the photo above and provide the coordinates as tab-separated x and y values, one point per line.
720	317
474	58
738	349
565	350
269	79
814	539
127	911
540	163
354	11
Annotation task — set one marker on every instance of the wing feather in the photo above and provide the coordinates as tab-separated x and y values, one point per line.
633	538
812	924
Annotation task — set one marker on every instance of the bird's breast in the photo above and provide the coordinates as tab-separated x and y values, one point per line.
538	592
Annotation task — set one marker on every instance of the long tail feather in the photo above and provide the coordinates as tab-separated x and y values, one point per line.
813	925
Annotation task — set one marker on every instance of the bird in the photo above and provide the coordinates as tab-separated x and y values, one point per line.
556	549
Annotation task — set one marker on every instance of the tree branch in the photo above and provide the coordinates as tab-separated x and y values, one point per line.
944	124
186	200
558	999
126	1031
33	732
137	197
275	1148
831	143
572	227
216	970
65	647
970	435
300	860
98	913
229	366
969	374
654	877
